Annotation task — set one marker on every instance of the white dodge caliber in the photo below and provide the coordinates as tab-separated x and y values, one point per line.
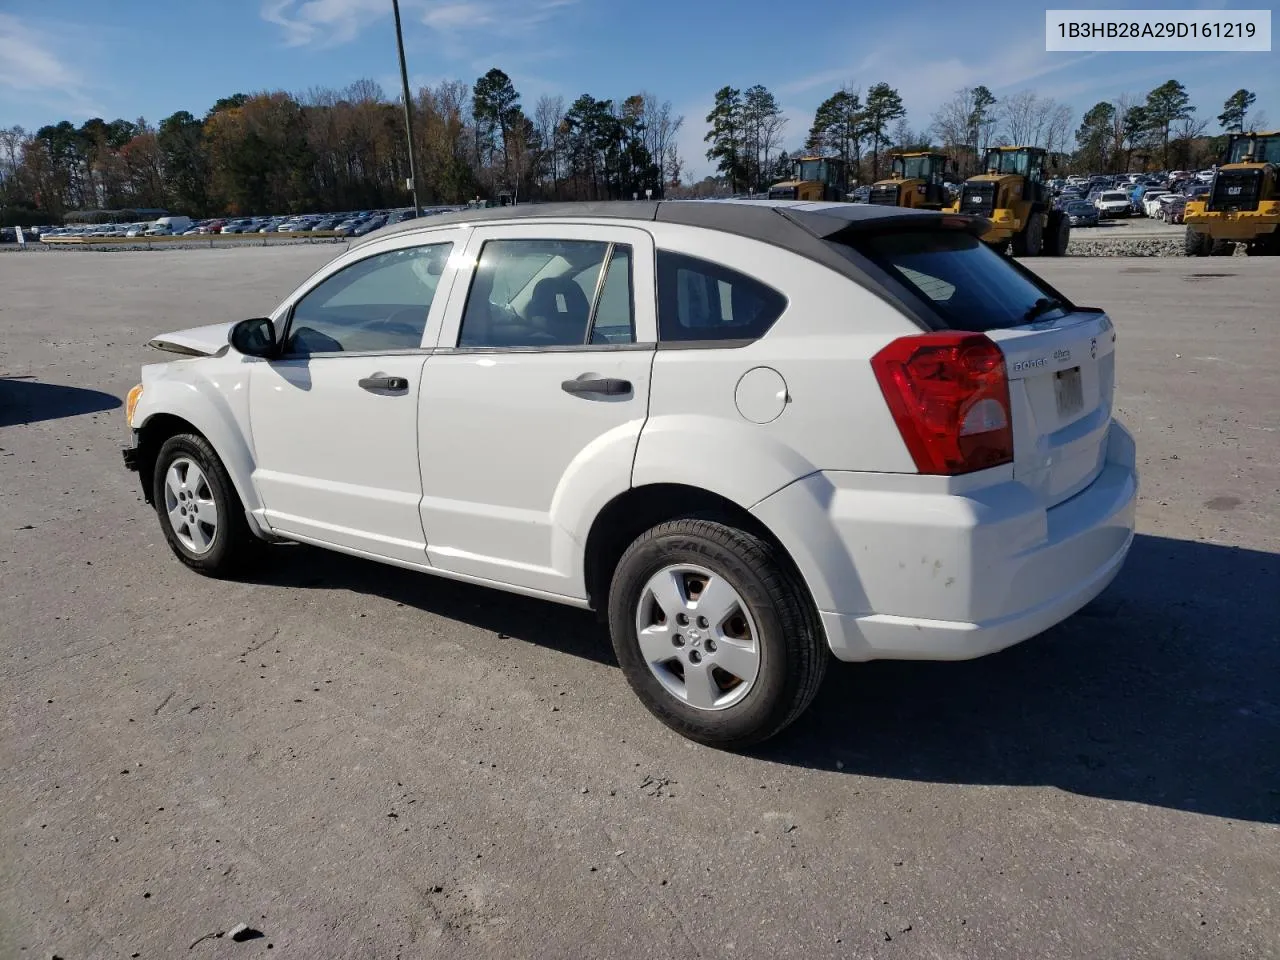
751	435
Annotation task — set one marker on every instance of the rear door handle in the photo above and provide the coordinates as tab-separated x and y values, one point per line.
380	381
601	386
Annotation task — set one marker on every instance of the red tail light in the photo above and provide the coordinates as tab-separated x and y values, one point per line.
949	395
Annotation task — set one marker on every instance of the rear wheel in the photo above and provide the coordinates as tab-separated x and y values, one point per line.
1029	241
715	633
1196	244
1059	235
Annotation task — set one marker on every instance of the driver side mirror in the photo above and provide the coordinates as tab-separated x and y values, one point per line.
255	337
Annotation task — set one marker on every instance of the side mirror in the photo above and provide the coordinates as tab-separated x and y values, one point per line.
254	338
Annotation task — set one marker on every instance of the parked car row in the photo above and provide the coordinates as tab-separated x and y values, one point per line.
350	224
1089	200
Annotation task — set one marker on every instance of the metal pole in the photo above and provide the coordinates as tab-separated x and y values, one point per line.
408	109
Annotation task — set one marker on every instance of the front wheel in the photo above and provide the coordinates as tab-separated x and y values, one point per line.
715	633
1029	241
1058	238
1196	244
200	512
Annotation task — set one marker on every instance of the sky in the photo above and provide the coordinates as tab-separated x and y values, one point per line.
77	59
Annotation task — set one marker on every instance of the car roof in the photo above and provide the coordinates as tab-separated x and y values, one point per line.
787	223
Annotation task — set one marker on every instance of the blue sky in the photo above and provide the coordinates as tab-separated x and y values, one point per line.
75	59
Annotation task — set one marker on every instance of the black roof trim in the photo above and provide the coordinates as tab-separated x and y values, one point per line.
769	220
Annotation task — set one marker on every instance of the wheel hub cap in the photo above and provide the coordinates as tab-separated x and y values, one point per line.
697	637
189	504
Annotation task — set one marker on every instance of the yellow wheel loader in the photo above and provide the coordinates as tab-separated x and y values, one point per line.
916	181
813	178
1013	193
1243	203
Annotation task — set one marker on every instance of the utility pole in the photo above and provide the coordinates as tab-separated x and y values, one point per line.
408	111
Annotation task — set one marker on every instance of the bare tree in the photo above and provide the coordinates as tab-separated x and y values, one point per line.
950	122
548	117
966	124
1028	119
662	124
1058	128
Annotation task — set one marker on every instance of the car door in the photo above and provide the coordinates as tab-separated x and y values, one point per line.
534	399
334	417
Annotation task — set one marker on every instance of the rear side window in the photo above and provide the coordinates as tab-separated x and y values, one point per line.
966	283
700	300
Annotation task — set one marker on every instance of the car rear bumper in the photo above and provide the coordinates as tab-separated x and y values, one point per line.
918	575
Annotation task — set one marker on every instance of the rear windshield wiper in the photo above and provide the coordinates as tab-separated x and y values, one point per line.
1041	307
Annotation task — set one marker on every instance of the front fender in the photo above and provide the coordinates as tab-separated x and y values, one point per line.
215	402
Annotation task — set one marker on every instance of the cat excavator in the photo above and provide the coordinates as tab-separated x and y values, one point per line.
1013	193
916	181
813	178
1243	204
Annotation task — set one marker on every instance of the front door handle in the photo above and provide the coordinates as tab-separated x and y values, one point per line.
380	381
603	386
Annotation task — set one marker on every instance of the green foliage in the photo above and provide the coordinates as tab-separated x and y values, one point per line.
1165	104
1095	138
1234	110
839	127
883	107
727	148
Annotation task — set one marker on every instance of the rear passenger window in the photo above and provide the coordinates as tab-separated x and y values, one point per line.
615	317
700	300
534	293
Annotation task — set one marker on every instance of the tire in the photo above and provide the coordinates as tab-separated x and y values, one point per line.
1059	235
771	623
219	543
1267	245
1195	244
1029	241
1222	248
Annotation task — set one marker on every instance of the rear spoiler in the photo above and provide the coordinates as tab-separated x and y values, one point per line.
824	226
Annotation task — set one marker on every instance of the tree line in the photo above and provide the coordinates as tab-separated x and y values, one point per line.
276	152
1159	130
325	149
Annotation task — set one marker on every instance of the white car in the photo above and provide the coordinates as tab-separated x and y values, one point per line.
749	434
1151	202
1113	203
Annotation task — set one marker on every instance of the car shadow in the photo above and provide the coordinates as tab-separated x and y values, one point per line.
24	400
552	625
1165	690
1162	691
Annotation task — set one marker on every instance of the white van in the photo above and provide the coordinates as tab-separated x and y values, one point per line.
174	225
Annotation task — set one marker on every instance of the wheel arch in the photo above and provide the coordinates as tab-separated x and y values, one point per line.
158	420
638	509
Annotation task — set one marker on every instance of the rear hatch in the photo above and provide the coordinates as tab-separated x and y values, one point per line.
1061	385
1059	358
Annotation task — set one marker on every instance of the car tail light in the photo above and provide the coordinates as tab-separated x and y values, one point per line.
949	395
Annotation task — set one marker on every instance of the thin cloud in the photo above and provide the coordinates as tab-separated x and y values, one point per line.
29	66
323	23
331	23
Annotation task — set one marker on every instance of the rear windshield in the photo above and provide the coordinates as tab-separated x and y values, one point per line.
966	283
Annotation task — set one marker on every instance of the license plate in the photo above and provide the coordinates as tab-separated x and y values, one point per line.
1069	390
